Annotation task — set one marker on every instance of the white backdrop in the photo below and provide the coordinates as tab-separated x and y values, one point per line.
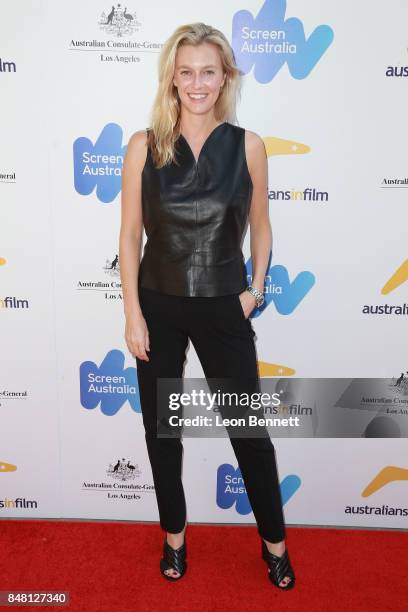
72	86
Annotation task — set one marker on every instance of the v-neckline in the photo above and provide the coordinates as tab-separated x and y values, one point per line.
196	160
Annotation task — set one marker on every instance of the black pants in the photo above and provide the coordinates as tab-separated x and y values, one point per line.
224	342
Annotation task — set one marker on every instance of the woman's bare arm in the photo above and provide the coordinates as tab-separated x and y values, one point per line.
260	226
130	241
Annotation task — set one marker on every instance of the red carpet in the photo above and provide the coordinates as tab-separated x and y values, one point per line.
114	567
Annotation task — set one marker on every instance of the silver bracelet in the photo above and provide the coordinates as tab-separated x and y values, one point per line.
259	296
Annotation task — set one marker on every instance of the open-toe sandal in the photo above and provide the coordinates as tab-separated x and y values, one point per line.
173	559
279	567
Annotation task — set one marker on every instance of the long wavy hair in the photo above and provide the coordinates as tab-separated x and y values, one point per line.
165	114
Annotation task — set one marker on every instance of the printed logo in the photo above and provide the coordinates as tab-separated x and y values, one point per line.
280	146
112	267
100	165
402	383
386	397
388	474
109	288
274	369
7	467
396	280
279	289
117	45
268	41
231	489
119	22
123	473
109	385
123	470
399	277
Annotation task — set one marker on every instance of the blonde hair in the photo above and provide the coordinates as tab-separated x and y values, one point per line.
165	114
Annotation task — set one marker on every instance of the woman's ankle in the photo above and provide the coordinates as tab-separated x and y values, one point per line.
276	548
176	539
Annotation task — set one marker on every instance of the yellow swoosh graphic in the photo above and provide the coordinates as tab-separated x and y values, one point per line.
280	146
274	369
2	261
7	467
400	276
387	475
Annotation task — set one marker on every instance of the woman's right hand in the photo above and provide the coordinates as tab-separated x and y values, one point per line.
137	336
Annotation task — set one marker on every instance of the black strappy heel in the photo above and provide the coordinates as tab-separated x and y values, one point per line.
279	566
173	559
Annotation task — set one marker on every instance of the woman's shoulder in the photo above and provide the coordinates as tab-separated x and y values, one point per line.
138	139
252	139
251	136
137	147
255	151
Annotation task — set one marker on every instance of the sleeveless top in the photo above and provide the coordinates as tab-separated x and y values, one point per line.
195	215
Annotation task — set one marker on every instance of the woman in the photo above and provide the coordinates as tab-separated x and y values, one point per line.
193	179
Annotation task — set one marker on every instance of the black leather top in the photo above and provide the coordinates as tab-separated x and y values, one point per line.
195	215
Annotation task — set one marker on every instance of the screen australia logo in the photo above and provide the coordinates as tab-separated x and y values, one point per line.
231	489
99	166
268	41
285	293
109	385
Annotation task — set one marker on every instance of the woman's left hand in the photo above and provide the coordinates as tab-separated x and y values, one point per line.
248	302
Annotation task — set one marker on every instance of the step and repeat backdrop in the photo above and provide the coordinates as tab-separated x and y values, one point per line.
325	86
